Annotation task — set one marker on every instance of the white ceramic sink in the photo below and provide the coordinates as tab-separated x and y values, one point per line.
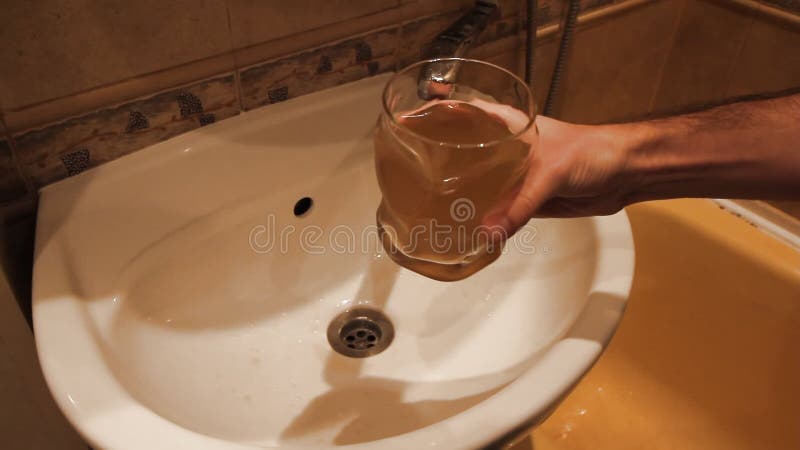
164	320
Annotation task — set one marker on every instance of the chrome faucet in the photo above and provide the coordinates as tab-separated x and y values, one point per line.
452	42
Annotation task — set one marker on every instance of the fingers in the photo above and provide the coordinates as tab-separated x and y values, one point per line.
536	189
534	192
541	183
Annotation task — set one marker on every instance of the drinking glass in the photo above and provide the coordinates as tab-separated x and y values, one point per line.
439	179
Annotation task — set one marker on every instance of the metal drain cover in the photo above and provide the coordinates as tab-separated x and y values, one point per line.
360	332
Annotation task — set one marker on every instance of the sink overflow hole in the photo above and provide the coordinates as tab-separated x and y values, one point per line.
302	206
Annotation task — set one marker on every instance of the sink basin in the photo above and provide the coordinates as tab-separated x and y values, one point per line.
179	302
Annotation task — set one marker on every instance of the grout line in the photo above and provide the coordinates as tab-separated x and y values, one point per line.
338	39
763	10
115	83
672	41
322	45
116	104
237	80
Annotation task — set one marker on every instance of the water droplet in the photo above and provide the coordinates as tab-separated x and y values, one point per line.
300	341
582	412
345	303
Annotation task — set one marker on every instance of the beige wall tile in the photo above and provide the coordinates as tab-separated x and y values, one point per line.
546	52
615	64
510	53
58	109
256	21
60	47
706	46
509	60
769	61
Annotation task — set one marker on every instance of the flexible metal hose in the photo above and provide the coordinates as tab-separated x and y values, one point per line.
564	47
530	41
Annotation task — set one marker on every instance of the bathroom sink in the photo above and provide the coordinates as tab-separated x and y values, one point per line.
183	296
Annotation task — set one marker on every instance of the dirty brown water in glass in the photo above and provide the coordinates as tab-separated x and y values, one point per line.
437	190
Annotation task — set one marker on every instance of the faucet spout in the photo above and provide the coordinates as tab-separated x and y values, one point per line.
436	78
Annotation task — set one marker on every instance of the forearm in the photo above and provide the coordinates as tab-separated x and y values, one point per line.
741	150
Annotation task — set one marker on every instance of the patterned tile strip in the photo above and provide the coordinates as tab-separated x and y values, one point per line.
72	146
302	73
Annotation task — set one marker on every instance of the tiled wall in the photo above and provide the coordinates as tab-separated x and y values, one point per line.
672	54
740	52
92	81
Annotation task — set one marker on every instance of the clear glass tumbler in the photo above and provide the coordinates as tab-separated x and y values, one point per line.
447	151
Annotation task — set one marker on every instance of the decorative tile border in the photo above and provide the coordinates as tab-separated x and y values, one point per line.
321	68
70	147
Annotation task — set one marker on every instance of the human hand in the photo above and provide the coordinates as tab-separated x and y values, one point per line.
576	170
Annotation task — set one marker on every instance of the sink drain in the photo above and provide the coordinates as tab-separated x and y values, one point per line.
360	333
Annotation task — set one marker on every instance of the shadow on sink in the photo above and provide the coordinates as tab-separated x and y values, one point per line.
364	409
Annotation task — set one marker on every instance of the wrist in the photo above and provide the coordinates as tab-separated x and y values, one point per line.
655	160
636	144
